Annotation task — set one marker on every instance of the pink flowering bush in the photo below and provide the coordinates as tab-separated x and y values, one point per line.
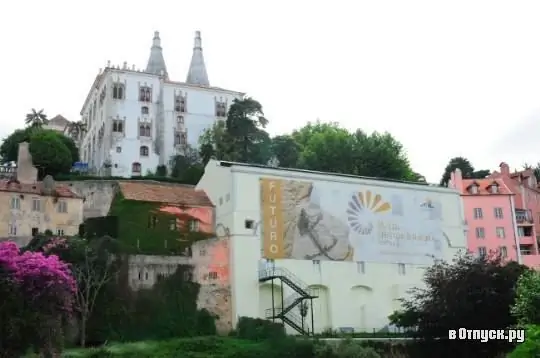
39	291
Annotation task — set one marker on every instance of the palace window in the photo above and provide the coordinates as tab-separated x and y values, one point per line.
118	91
136	168
62	207
145	94
179	138
221	109
180	103
118	126
145	130
144	110
180	120
144	151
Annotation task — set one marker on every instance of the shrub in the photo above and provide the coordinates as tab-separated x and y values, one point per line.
531	346
258	329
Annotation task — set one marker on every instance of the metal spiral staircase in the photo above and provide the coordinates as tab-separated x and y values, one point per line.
301	292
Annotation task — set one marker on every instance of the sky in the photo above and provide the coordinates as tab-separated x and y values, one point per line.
446	78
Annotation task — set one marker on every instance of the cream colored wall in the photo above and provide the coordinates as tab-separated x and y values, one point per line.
24	219
347	296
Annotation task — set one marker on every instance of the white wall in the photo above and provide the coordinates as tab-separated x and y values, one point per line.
200	116
348	297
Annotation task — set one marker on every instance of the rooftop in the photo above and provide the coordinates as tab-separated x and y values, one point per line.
177	194
484	185
13	186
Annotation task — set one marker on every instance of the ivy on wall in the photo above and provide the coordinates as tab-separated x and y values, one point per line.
143	229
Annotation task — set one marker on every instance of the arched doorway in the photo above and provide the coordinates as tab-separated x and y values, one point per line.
360	297
321	309
265	297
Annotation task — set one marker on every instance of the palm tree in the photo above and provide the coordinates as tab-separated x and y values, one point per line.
76	129
36	118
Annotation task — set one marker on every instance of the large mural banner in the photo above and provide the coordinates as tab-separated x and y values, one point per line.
345	222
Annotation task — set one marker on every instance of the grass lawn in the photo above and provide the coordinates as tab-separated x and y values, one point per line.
198	347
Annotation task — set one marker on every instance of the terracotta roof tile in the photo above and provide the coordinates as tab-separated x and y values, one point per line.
37	188
483	186
164	193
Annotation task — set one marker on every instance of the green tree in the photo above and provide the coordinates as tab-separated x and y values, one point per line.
9	150
36	118
286	150
467	170
526	308
70	145
49	154
331	148
472	292
76	129
245	125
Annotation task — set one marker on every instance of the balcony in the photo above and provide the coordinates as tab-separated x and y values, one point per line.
532	261
524	217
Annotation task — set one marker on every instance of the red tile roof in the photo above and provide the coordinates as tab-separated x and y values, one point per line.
484	187
37	188
178	194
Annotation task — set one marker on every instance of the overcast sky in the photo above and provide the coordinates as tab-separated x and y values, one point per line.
452	78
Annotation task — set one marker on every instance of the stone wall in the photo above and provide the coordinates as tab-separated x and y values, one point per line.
210	270
98	195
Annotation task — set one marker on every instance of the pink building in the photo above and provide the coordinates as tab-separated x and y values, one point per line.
490	215
527	207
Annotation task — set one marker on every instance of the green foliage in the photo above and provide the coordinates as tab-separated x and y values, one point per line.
101	226
72	147
77	177
9	150
142	228
467	170
472	292
531	347
526	309
286	150
49	154
161	171
258	329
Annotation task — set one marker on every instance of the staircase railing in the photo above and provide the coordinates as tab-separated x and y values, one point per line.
269	273
292	319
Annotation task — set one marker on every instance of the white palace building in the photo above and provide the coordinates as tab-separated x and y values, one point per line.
139	119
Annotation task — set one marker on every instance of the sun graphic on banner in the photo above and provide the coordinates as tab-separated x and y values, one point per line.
362	203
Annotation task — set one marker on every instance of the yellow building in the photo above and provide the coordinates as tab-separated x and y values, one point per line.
29	206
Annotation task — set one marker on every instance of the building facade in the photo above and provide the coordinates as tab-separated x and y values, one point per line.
139	119
322	251
527	211
490	213
32	206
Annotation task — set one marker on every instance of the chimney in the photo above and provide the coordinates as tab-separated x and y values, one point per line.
48	185
26	172
456	180
504	169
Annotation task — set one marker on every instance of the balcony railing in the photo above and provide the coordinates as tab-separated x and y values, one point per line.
524	216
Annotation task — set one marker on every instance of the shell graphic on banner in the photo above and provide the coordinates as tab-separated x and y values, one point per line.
344	222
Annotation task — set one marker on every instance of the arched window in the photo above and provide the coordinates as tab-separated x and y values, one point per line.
118	91
145	130
143	151
136	168
180	120
144	110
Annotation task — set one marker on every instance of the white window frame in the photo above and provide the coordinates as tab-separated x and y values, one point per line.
480	233
361	267
503	251
498	212
36	204
482	251
12	229
501	234
402	269
60	232
62	206
194	226
15	203
478	213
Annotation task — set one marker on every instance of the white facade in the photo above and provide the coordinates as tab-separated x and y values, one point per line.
358	295
139	119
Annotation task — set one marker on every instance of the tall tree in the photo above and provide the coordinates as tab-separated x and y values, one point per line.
239	138
286	150
245	125
472	292
36	118
49	154
467	170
